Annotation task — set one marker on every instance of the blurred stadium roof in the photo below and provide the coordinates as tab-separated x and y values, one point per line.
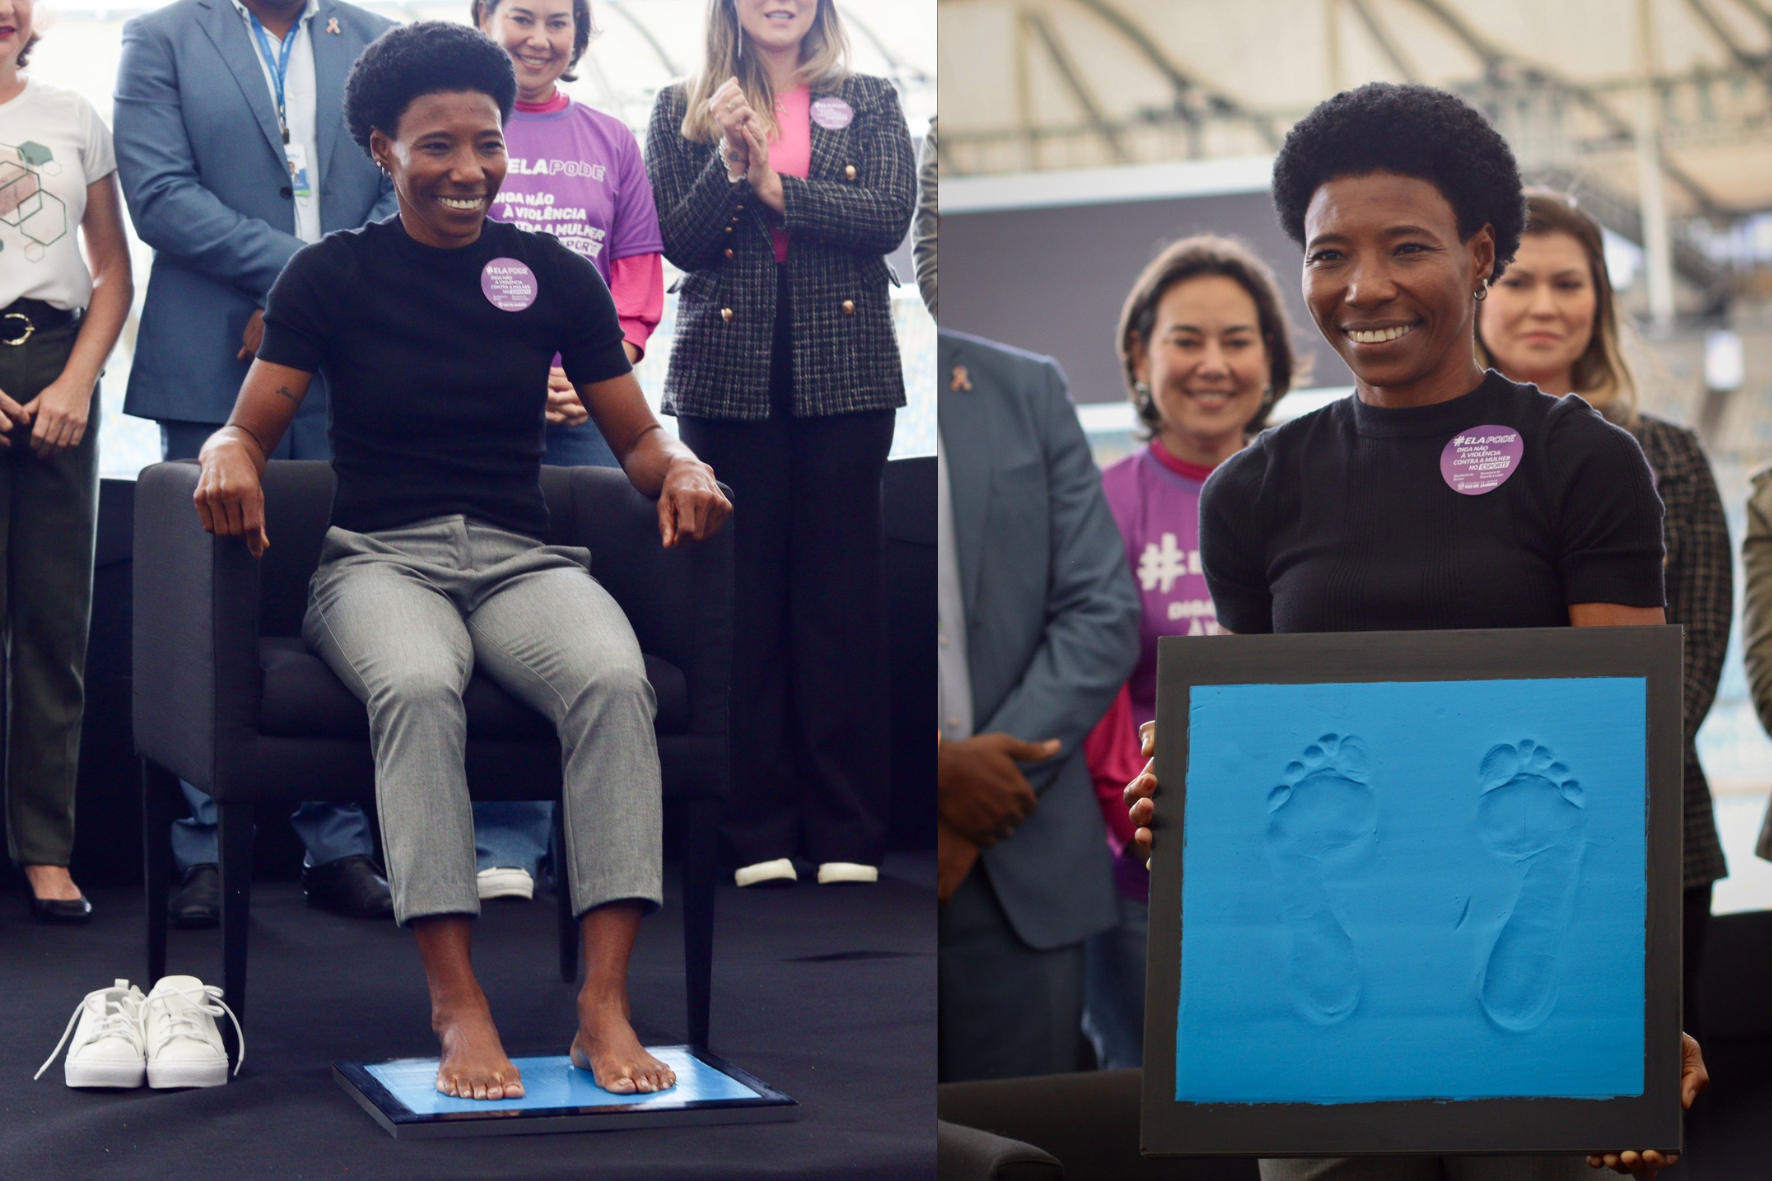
1032	85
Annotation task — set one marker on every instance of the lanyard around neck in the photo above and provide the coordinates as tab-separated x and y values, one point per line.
278	63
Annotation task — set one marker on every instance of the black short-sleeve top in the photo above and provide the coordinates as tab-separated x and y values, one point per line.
1345	519
437	364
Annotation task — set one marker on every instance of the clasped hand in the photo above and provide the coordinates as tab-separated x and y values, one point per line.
57	417
1142	807
744	144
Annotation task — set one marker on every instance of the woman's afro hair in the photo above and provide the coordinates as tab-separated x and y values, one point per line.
430	57
1413	131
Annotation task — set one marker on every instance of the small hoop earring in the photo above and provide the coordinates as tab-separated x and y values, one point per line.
1482	292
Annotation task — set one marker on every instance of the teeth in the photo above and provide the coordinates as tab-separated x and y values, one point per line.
459	203
1378	336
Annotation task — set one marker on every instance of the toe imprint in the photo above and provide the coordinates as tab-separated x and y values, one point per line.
1531	812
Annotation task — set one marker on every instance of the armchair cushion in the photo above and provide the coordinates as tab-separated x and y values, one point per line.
303	699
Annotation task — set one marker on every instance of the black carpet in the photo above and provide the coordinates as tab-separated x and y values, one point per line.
827	993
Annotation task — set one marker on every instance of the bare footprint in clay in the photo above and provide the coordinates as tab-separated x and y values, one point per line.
1532	813
1324	814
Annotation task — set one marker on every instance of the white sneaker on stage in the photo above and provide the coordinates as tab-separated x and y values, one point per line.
184	1047
107	1046
504	882
832	872
781	871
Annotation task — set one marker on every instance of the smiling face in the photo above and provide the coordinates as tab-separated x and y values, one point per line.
15	29
1206	365
538	35
447	158
1391	286
776	25
1539	318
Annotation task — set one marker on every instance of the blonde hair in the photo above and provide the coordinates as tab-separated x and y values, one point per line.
824	60
1601	374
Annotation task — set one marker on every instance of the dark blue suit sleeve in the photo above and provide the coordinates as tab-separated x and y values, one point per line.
1092	606
171	209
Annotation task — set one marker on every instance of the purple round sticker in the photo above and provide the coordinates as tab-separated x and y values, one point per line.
832	113
508	284
1481	459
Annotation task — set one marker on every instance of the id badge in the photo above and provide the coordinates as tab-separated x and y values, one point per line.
298	171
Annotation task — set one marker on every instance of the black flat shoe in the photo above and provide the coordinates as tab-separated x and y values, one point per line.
197	901
351	886
63	911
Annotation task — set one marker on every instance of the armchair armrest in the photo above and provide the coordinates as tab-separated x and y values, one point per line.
679	600
196	668
968	1154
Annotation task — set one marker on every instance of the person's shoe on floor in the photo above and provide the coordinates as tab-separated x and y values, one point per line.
53	896
846	872
184	1048
107	1047
197	901
779	872
505	882
351	886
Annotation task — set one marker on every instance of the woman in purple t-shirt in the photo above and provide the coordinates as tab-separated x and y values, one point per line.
577	174
1206	347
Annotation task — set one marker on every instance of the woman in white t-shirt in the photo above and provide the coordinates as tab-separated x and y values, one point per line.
60	312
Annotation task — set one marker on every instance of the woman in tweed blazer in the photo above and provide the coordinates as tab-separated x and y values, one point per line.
782	181
1552	320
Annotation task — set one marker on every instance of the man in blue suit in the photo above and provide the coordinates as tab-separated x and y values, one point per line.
232	153
1039	629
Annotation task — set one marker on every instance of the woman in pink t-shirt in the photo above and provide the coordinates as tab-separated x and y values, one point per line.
1206	347
783	181
576	173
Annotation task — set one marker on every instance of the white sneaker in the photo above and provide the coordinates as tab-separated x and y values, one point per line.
846	871
779	870
107	1046
503	882
183	1045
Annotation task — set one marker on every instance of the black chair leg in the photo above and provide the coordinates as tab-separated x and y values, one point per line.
701	823
236	875
158	788
563	898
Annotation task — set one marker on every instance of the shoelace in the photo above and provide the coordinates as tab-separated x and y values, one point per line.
207	999
122	1019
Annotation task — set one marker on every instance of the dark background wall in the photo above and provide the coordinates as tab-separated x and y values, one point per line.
1052	280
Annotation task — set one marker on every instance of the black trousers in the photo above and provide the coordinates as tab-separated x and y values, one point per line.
1695	924
811	737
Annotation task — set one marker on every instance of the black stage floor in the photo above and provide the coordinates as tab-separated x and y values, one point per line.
828	993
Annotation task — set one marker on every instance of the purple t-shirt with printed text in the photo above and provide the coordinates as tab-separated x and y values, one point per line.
1156	501
577	174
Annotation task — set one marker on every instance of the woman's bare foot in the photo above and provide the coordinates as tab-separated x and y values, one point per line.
474	1064
52	883
607	1047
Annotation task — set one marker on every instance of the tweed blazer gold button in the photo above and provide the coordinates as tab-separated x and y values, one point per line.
848	174
849	307
726	314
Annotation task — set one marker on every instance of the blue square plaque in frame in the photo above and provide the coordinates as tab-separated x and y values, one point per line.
402	1097
1416	892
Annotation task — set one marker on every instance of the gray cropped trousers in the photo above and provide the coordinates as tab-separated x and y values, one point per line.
404	616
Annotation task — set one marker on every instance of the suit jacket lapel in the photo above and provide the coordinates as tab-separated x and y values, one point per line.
966	434
232	40
823	164
332	62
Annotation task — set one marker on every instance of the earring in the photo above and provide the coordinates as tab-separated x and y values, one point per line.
1141	387
1482	292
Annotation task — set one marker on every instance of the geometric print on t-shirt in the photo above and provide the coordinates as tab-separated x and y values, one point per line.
39	218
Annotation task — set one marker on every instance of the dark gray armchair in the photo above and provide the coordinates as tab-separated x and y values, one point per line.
228	697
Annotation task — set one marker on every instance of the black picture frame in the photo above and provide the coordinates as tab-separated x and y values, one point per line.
1428	1127
402	1123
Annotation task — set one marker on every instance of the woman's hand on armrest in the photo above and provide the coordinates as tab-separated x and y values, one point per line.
691	506
230	497
1693	1079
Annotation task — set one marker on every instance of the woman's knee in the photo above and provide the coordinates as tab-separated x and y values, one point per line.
424	690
